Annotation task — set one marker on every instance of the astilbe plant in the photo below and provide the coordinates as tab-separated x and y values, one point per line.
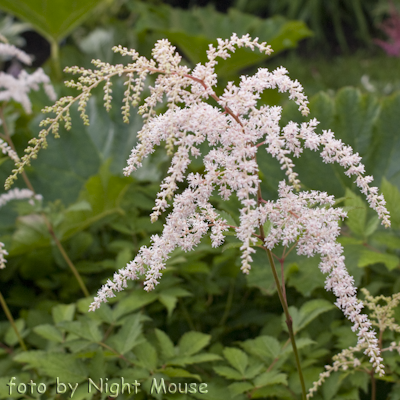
237	132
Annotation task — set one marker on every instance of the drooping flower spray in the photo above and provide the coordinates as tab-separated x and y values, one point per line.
237	132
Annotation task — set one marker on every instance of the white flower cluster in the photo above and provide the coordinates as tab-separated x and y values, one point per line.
19	194
6	149
18	88
235	129
8	51
3	252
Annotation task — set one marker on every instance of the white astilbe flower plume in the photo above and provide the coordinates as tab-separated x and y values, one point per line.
3	252
19	194
17	88
237	131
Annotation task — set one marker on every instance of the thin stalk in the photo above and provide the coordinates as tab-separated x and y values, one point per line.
289	322
12	322
65	256
373	385
282	298
55	58
49	226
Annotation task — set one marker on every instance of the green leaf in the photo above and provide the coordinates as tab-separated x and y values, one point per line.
127	337
254	369
240	387
86	329
193	30
147	356
166	345
270	378
237	358
55	365
10	337
263	347
261	275
179	373
49	332
228	372
103	314
392	197
357	216
82	205
134	301
54	20
369	257
305	276
385	149
195	359
311	310
168	301
192	342
31	234
387	239
97	366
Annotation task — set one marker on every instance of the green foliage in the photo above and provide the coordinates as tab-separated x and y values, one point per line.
54	20
329	20
192	31
205	323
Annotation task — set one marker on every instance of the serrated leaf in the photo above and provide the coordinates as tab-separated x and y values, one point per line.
311	310
392	198
49	332
253	370
385	149
86	328
97	366
369	257
356	218
55	365
228	372
192	342
270	378
227	217
169	302
305	275
237	358
179	373
10	337
195	359
82	205
54	20
166	345
104	313
240	387
63	312
147	356
127	337
263	347
300	343
387	239
134	301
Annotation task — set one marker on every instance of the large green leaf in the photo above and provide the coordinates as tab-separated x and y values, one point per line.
192	31
237	358
128	336
192	342
53	19
55	365
385	150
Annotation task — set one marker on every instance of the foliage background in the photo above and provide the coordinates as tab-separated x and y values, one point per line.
205	322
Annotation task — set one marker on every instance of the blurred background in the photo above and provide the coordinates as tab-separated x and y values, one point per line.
206	321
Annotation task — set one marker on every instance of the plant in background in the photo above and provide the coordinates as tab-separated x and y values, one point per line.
235	132
391	27
382	318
